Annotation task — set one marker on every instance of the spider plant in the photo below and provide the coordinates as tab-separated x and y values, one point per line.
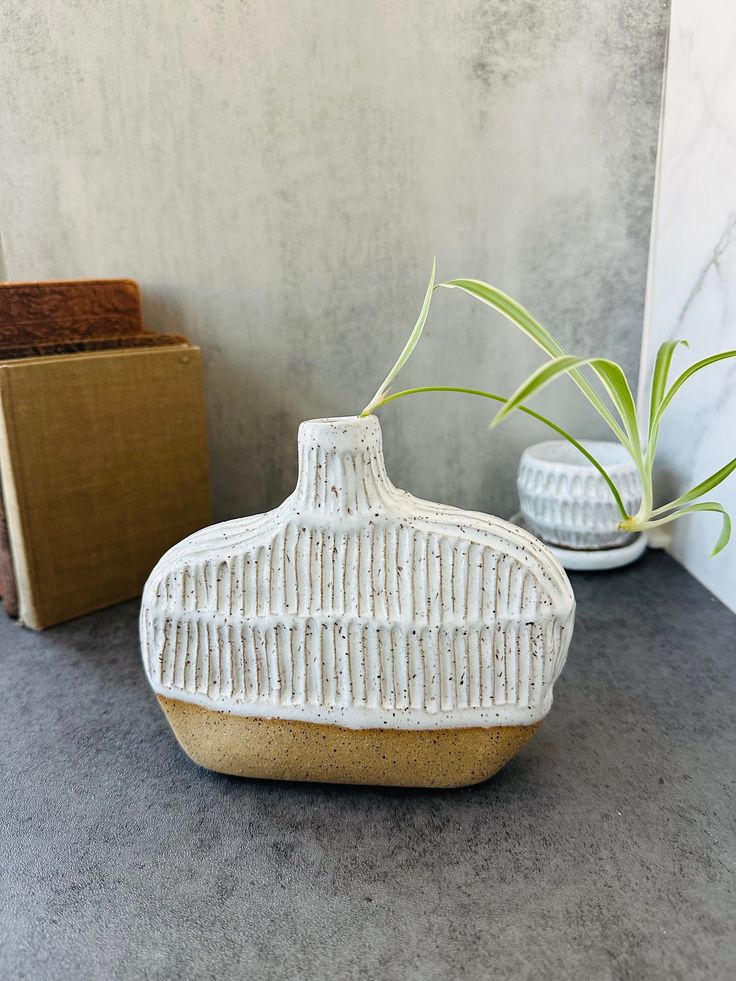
606	388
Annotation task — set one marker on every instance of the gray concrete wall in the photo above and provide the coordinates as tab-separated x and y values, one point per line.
278	175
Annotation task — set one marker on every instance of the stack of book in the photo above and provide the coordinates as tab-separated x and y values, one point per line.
103	454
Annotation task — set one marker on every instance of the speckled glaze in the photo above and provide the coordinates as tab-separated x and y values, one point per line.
356	606
565	500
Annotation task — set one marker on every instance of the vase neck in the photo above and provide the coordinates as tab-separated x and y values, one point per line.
341	468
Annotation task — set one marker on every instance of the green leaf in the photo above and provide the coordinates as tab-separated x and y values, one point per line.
610	373
708	484
522	318
379	397
660	375
725	534
514	311
530	412
688	373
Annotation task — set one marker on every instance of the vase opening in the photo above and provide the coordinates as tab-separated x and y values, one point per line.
341	466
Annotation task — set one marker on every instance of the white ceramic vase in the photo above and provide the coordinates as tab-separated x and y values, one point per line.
566	501
356	633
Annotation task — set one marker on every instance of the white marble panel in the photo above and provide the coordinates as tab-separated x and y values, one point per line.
692	282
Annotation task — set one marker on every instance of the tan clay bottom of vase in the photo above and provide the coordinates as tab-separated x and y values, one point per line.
279	749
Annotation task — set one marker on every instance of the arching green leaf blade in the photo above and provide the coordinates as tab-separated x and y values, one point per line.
688	373
530	412
509	307
610	373
702	488
725	534
408	347
522	318
660	375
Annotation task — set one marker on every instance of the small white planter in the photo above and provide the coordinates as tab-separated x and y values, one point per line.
565	501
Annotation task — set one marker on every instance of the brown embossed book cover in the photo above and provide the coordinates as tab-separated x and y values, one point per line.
103	462
43	312
59	317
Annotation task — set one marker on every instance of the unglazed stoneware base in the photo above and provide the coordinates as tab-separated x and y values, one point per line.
280	749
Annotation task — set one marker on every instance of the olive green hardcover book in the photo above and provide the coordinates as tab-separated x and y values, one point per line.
103	461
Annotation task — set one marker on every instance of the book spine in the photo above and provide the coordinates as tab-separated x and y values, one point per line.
23	578
8	589
78	345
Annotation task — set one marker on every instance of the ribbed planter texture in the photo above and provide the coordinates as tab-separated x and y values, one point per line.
356	634
566	501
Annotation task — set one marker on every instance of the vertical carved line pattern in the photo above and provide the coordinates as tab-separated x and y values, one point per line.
384	617
320	662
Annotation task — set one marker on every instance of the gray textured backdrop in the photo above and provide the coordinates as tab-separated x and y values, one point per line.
278	175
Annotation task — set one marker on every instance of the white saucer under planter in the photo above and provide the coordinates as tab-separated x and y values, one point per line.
593	560
565	500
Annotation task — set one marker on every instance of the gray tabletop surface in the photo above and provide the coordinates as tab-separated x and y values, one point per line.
604	850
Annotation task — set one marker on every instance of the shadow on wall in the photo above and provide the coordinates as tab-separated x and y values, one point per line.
247	414
164	312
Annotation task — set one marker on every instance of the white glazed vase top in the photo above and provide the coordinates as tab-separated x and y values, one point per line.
356	604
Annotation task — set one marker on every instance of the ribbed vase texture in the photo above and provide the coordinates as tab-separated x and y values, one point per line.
358	604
